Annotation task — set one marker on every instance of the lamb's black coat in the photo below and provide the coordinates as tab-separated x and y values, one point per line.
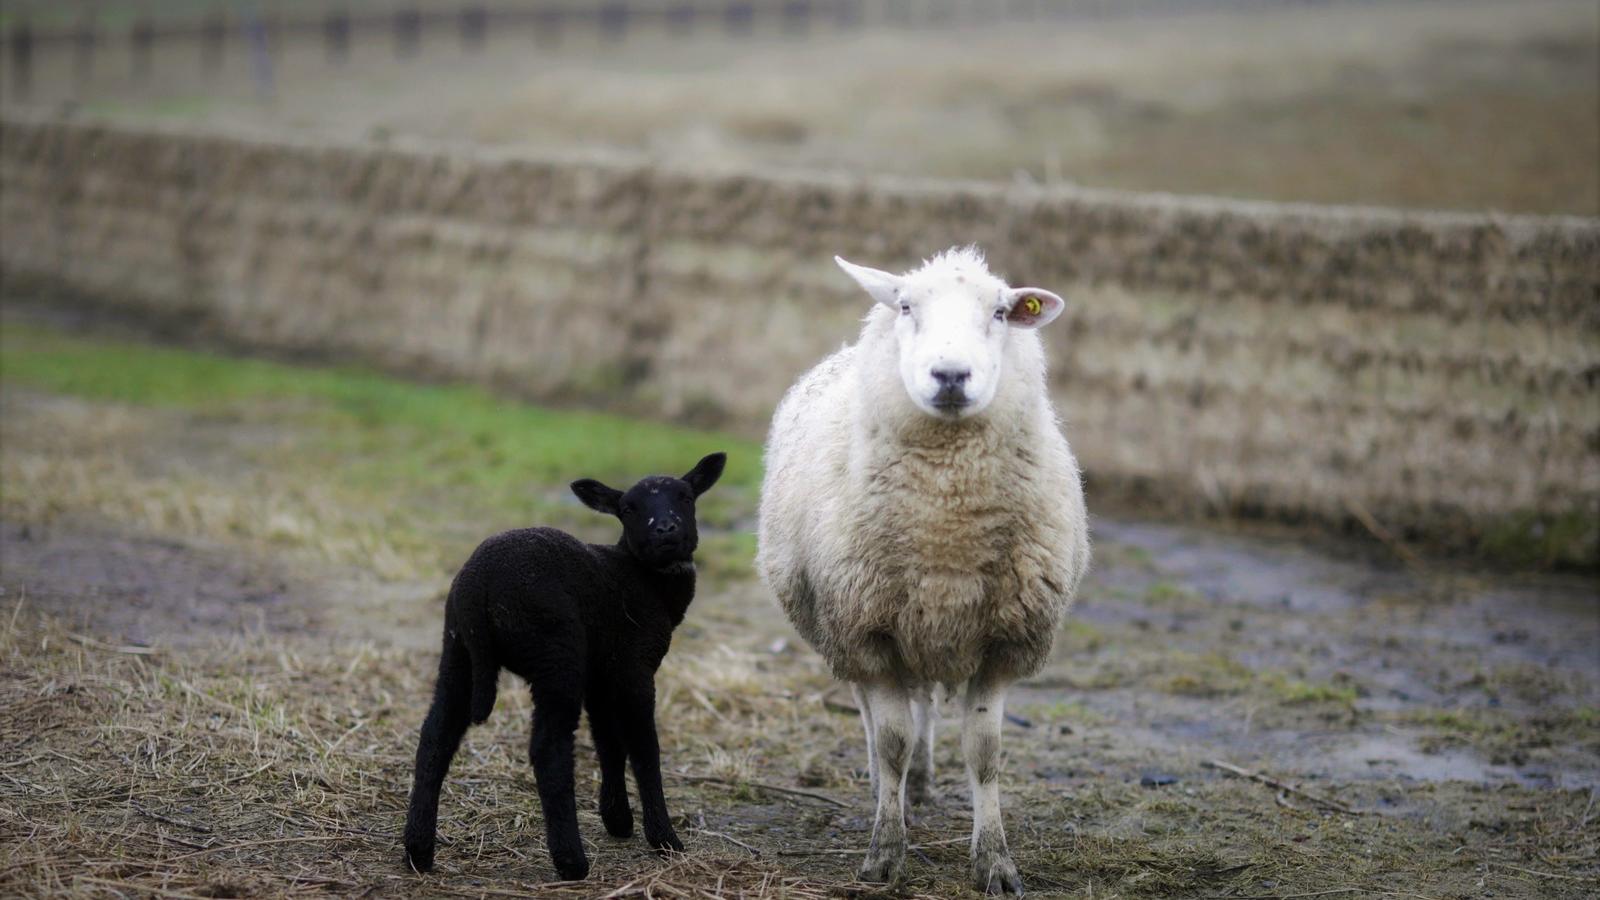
586	625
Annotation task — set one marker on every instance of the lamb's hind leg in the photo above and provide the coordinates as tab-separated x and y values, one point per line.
983	710
441	735
892	740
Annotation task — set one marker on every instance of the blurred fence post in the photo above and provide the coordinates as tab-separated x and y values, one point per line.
474	28
261	36
739	17
680	19
336	35
796	16
84	39
407	32
140	39
22	58
614	21
847	14
213	34
548	22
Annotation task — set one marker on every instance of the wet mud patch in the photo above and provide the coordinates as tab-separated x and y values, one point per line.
144	589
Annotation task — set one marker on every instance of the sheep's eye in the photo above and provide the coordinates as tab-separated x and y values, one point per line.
905	309
627	509
1000	315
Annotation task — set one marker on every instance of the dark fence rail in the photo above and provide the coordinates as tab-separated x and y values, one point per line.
407	25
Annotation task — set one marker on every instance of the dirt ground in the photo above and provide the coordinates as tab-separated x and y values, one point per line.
195	704
1462	104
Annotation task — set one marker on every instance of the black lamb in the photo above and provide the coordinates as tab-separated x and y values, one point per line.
586	625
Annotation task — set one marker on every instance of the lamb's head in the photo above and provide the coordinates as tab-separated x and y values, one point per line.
657	514
952	321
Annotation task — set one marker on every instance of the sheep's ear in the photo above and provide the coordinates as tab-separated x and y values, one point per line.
597	496
706	472
1033	307
882	286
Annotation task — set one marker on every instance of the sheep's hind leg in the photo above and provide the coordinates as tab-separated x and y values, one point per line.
860	694
441	735
983	711
924	716
555	718
892	740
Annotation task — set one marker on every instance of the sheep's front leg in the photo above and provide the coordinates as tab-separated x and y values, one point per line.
639	725
892	740
984	709
555	718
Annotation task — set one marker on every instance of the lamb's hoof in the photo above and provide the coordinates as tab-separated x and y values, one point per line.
419	857
666	843
883	866
995	873
572	868
618	818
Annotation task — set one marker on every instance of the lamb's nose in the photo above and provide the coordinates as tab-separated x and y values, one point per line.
950	378
667	527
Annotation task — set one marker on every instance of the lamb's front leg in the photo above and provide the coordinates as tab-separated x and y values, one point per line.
613	756
639	727
891	745
983	710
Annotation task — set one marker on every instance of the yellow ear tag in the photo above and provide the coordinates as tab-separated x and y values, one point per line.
1033	305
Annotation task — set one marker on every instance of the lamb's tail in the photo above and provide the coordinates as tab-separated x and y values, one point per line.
473	631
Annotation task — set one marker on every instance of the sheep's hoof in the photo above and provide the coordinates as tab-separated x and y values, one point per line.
919	789
995	873
883	866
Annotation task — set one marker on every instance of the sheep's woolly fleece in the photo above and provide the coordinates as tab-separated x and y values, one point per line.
910	547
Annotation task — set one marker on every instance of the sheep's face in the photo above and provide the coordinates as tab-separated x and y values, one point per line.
952	321
658	525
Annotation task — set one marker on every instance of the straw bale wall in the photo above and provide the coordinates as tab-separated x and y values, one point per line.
1434	372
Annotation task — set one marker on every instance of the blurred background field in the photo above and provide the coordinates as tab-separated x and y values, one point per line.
300	300
1438	104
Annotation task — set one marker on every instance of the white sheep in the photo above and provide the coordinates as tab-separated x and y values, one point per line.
922	523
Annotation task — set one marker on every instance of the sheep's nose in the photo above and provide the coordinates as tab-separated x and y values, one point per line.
666	527
951	378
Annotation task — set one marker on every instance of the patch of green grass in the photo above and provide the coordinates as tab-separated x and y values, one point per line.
1503	737
437	447
1532	540
1167	593
1294	691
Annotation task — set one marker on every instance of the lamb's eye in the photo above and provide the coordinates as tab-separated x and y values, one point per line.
905	309
627	509
1000	315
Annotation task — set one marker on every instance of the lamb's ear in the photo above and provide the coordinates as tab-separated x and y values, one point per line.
706	472
597	496
1032	307
882	286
